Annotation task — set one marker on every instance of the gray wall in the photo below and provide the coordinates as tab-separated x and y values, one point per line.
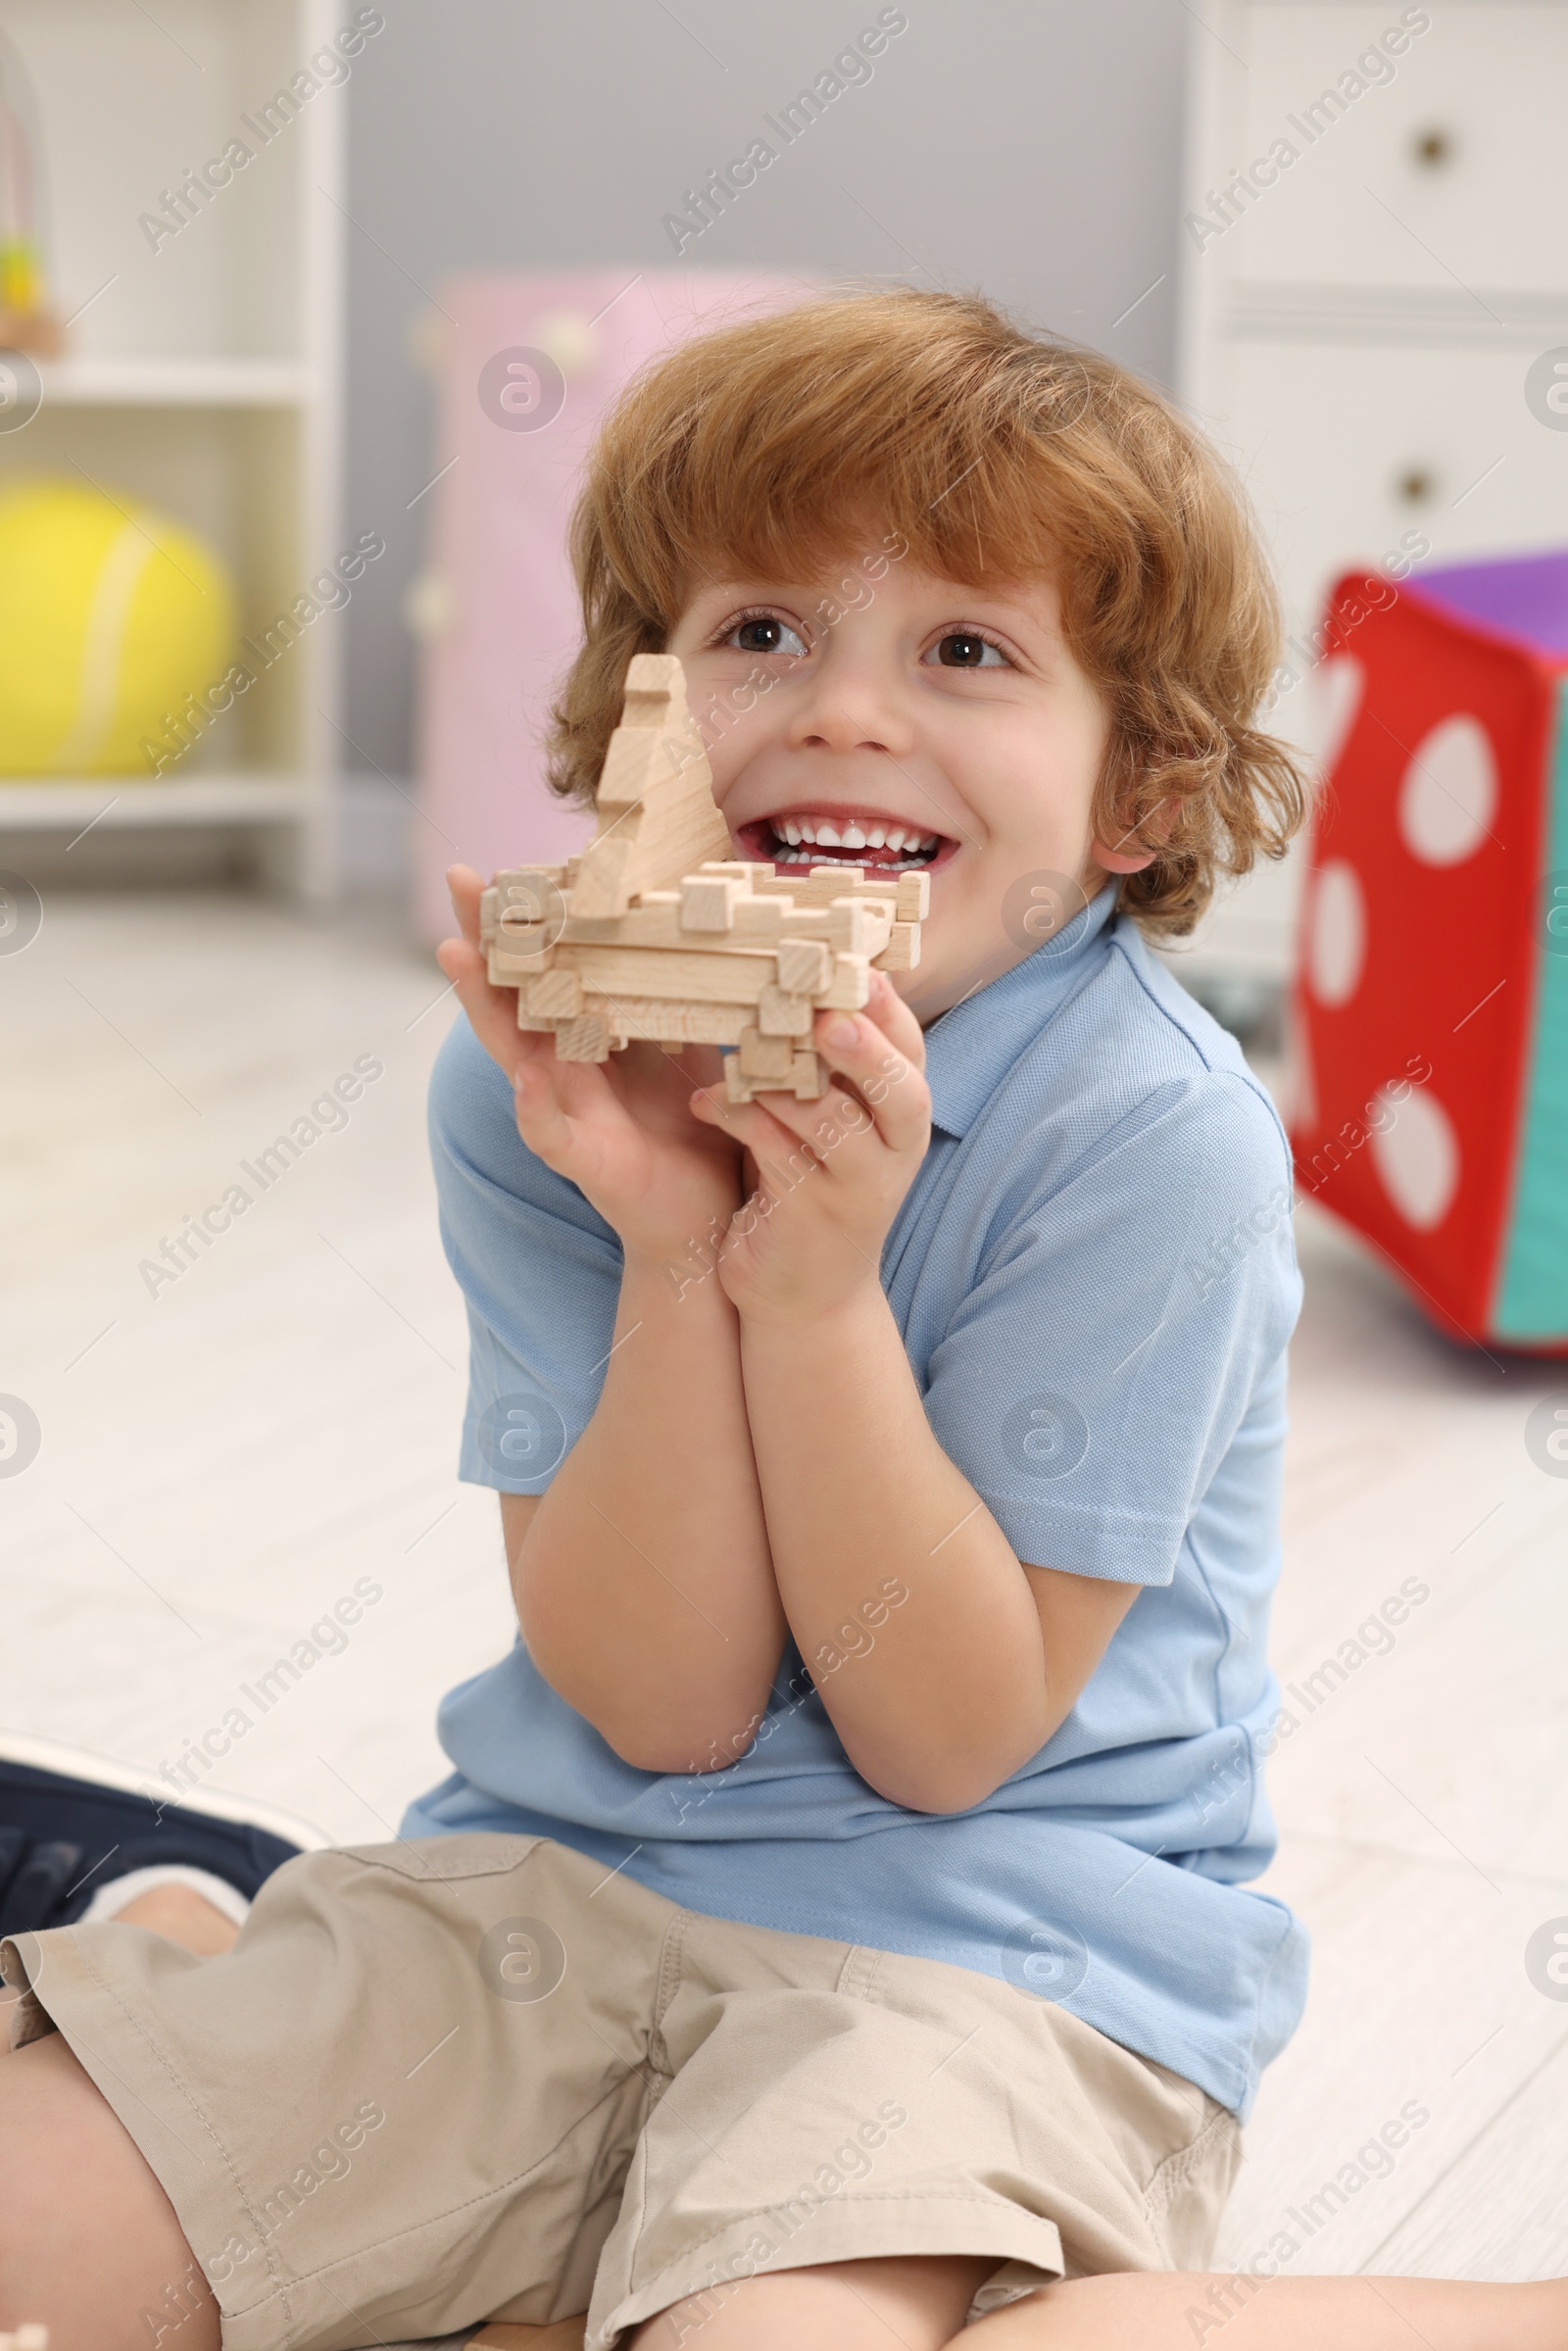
1028	148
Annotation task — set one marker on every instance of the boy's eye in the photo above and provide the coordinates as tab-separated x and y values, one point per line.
963	649
765	632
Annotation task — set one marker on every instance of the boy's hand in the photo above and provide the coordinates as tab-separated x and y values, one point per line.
621	1131
831	1174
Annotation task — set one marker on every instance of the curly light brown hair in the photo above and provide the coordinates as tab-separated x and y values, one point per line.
779	445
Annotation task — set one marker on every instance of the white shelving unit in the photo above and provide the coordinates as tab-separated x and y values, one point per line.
1356	333
202	375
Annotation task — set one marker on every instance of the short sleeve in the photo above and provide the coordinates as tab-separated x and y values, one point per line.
1119	1329
539	1270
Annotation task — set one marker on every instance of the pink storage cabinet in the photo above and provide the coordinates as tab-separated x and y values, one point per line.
532	362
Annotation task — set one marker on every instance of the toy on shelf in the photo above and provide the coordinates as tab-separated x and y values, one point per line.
115	627
657	932
26	322
1432	1109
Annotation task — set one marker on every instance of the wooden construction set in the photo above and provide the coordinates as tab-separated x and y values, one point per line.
655	931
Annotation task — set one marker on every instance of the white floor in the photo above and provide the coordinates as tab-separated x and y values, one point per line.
223	1460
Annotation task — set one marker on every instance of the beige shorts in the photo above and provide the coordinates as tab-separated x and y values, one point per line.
475	2077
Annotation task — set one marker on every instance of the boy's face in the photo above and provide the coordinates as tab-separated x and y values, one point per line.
930	725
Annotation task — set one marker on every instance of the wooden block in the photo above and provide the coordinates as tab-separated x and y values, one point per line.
844	923
522	938
530	893
636	762
655	924
807	922
807	1080
859	926
656	921
876	924
849	913
850	987
509	971
558	992
657	818
606	887
782	1014
653	710
758	917
804	965
903	950
718	975
708	901
653	933
584	1038
521	914
763	1056
662	1022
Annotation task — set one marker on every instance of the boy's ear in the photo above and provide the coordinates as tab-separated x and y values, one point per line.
1127	855
1119	860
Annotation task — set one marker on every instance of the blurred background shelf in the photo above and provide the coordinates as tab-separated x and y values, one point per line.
60	804
140	381
202	374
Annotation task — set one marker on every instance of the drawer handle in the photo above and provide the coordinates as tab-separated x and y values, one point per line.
1433	149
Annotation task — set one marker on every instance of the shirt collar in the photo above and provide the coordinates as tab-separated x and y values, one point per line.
971	1049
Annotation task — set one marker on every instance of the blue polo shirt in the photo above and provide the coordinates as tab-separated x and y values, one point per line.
1094	1277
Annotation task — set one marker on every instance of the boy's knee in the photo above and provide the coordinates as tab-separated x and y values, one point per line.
64	2155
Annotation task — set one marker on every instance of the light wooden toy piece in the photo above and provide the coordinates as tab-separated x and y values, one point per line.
655	932
25	2338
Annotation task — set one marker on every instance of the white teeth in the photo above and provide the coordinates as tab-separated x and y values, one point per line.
798	836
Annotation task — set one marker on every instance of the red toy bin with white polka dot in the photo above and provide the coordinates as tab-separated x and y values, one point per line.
1431	1107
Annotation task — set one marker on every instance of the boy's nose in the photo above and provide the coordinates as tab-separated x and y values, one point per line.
851	713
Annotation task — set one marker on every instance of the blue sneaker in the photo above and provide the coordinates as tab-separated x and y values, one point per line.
73	1825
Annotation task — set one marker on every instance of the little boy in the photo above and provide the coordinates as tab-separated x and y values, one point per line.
834	1930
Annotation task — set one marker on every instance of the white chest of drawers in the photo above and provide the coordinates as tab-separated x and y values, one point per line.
1374	257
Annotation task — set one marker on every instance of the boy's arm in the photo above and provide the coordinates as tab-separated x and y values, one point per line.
642	1579
944	1661
643	1583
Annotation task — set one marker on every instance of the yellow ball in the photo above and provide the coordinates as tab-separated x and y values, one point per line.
109	614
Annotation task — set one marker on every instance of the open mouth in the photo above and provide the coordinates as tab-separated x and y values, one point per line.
794	840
